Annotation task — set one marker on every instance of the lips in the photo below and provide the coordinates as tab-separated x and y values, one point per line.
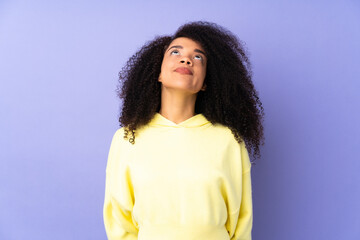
183	70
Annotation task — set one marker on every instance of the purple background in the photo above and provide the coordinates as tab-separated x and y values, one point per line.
58	110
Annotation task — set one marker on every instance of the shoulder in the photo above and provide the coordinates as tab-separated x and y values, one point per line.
118	135
236	151
118	139
223	133
119	149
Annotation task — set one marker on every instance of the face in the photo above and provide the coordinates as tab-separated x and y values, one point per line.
184	66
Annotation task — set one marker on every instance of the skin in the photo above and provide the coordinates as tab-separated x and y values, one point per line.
179	90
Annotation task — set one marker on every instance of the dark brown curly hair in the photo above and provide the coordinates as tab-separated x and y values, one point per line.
230	98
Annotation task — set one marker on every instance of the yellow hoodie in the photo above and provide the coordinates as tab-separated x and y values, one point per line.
186	181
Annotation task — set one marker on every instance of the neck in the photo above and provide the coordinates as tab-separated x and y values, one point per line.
177	106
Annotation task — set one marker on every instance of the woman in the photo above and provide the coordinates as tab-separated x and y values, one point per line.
179	168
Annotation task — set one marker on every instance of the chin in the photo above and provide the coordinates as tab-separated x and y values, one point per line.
182	88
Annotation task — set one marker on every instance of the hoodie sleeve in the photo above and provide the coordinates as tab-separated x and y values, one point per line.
241	220
119	196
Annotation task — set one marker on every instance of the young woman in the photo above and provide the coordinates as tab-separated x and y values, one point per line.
179	168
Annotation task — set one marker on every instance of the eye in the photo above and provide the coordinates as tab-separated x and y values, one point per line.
176	52
198	57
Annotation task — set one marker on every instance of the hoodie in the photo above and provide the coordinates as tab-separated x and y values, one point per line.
185	181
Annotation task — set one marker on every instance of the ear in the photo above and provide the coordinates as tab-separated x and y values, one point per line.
203	87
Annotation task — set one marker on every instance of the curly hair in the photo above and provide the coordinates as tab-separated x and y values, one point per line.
230	98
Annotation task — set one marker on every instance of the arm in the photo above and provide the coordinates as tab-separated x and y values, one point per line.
241	220
244	216
119	196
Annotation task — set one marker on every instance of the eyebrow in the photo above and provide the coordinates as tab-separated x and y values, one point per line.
181	47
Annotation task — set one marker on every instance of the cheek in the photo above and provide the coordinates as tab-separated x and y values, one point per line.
164	72
203	71
164	69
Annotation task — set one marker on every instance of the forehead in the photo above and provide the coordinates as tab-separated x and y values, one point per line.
186	43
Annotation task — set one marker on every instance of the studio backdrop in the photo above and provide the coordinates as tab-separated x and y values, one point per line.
59	64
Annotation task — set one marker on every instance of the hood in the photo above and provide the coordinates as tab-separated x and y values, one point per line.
194	121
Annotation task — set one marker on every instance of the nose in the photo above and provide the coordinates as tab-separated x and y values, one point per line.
186	61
